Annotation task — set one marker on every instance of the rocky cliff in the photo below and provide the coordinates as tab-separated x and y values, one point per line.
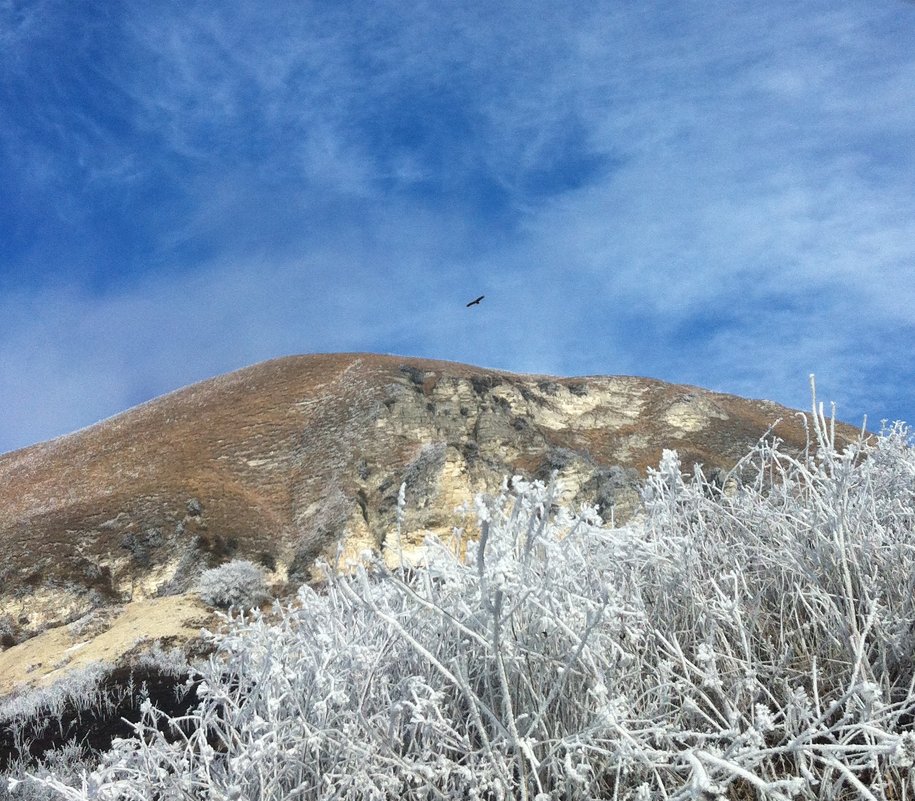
280	462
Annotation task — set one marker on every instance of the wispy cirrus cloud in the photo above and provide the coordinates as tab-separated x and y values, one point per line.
716	194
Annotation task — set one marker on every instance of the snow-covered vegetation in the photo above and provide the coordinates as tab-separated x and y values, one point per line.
59	721
237	583
750	642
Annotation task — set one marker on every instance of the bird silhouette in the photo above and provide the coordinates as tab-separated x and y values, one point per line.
475	302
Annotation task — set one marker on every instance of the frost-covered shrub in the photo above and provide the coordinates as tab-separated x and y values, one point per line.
238	583
31	719
750	644
156	659
65	764
26	714
46	728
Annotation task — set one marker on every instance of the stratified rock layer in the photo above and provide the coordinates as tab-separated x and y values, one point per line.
279	462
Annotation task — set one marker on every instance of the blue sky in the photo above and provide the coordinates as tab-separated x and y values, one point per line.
717	193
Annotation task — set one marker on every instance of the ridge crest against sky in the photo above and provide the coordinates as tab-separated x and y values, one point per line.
718	194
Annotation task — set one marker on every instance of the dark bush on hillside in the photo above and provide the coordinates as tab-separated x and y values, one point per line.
8	632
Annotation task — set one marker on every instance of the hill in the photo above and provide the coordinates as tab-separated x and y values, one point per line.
280	462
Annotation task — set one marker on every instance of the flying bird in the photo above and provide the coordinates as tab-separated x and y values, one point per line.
475	302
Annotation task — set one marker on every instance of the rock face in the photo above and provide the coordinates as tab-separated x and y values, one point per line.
279	462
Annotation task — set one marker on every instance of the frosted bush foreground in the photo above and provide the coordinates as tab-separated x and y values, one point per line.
752	644
237	583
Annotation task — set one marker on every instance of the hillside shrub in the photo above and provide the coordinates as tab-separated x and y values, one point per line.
238	583
751	644
8	632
